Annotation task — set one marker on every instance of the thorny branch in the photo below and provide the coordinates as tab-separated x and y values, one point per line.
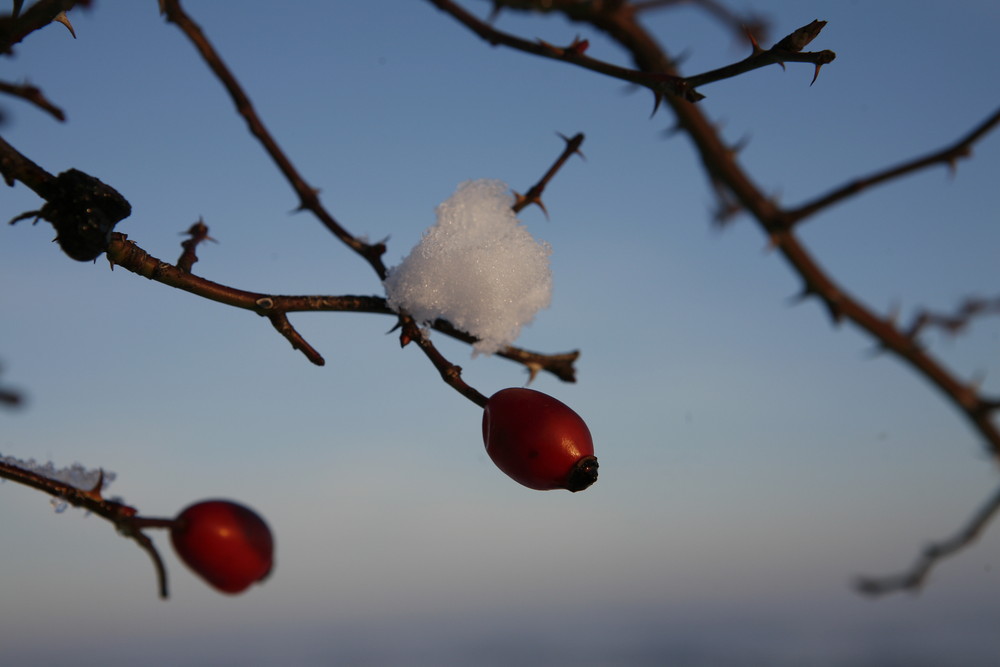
33	95
656	69
309	200
127	254
124	518
948	156
915	578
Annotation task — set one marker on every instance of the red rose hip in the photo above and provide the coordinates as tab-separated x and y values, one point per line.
538	441
225	543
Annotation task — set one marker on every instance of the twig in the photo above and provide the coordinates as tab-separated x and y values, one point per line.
198	233
33	95
789	49
15	28
124	517
534	193
916	577
309	200
664	84
720	163
957	321
127	254
948	156
308	196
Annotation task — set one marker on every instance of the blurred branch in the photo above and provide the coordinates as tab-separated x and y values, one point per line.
956	322
16	167
738	189
16	27
10	397
199	234
949	156
33	95
122	516
914	579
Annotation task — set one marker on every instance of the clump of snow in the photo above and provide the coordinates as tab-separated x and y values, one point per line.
75	475
478	267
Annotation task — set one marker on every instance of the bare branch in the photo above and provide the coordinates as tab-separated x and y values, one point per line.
788	49
33	95
127	254
664	84
16	27
916	577
948	156
198	233
308	196
534	194
956	322
122	516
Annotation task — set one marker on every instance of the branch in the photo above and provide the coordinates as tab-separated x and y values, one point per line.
33	95
15	28
309	200
123	517
10	397
956	322
127	254
948	156
198	233
724	171
788	49
661	85
534	193
914	579
308	196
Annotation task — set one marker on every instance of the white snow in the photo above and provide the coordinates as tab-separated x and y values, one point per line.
478	267
75	475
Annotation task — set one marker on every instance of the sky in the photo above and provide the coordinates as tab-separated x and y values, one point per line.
754	458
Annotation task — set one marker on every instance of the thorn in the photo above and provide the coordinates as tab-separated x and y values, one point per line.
95	492
574	142
815	74
671	131
521	201
533	369
17	8
657	98
538	201
893	315
62	18
737	147
578	46
753	40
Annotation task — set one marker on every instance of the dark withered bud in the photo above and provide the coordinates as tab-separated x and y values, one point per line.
84	212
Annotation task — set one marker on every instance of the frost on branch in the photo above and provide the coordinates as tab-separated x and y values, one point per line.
75	475
478	267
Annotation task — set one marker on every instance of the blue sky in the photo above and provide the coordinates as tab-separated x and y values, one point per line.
753	458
